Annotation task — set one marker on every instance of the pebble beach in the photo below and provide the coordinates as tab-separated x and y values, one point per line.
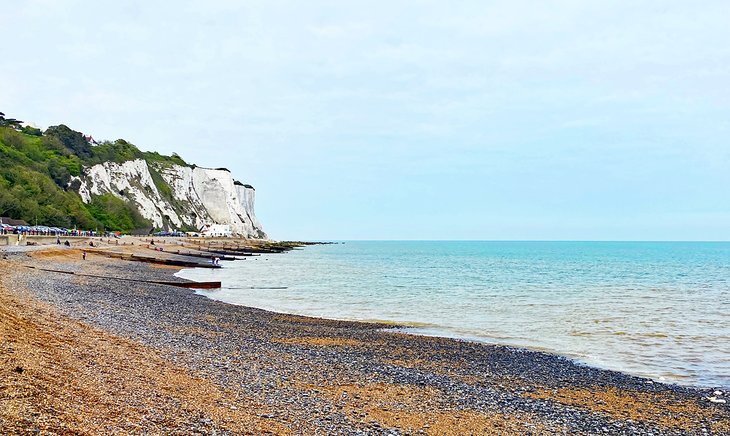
98	355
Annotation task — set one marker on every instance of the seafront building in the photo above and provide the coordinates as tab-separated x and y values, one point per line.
216	230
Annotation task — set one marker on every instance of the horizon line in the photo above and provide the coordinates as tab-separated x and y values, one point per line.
519	240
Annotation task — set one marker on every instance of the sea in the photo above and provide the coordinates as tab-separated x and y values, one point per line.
654	309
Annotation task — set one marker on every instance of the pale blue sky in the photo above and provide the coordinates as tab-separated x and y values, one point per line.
406	120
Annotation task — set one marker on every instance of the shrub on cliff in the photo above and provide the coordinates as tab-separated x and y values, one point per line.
118	151
71	139
113	213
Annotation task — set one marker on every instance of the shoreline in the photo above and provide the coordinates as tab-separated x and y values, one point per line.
315	374
414	327
408	328
660	370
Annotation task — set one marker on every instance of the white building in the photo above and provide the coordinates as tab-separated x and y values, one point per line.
215	231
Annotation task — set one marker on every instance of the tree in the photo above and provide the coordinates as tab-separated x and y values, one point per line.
9	122
75	185
30	130
72	140
59	173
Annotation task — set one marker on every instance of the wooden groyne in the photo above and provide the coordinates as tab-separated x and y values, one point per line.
155	260
224	252
237	247
189	285
221	257
173	262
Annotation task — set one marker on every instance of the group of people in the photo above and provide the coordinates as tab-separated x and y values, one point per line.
58	242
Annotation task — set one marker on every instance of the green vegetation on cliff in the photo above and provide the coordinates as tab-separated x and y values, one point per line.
37	170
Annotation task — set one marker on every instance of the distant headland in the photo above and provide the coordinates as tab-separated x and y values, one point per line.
66	179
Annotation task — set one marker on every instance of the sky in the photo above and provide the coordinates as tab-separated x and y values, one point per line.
560	120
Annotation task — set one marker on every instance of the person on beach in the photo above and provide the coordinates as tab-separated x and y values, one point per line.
83	254
67	243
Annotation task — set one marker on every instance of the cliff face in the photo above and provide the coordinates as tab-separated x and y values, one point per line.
218	197
175	196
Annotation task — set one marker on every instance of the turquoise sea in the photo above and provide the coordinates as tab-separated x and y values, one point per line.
655	309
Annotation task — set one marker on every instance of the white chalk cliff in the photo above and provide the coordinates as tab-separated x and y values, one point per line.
196	196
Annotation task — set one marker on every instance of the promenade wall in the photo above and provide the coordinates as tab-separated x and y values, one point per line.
37	239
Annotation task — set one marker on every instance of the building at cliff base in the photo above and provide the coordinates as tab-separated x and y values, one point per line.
216	231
